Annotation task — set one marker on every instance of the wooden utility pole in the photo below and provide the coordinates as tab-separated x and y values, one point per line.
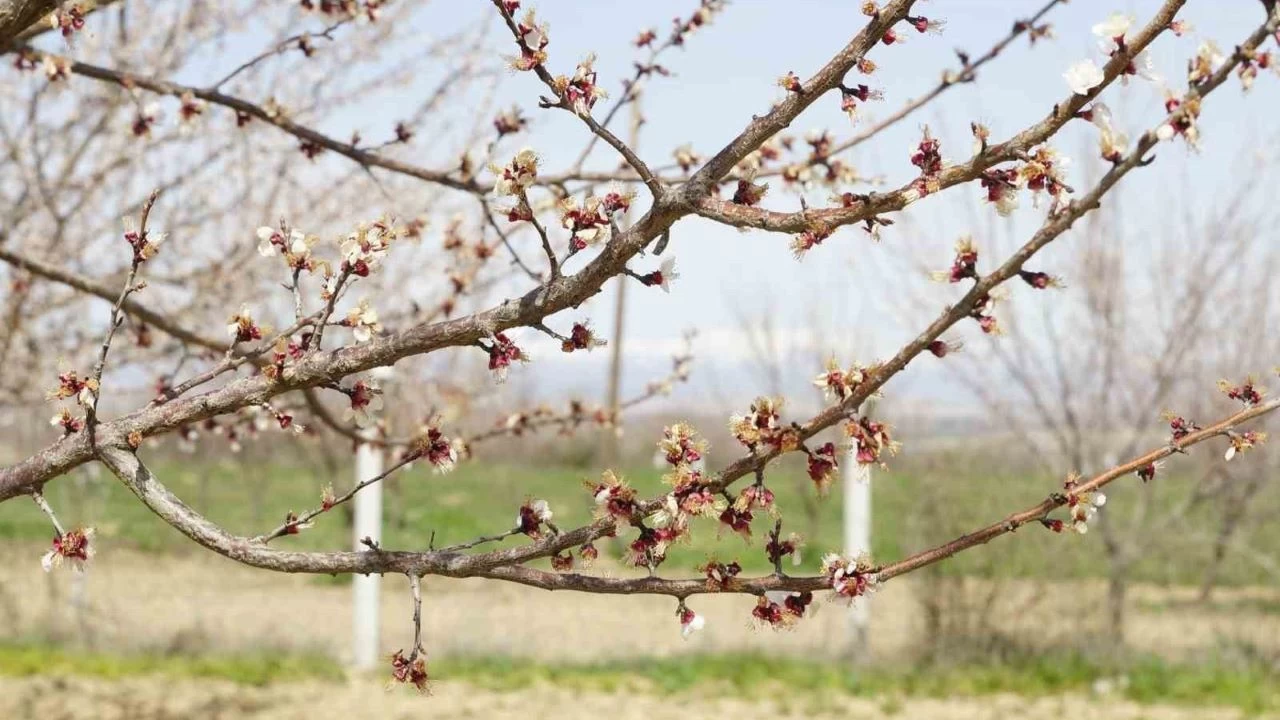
610	450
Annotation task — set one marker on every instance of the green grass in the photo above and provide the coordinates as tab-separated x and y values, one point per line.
1250	685
36	659
481	498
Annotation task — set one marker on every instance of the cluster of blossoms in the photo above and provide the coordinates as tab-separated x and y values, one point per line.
362	11
1042	172
1184	124
1179	426
614	498
581	92
70	384
761	427
516	176
701	16
849	577
1081	506
532	516
72	547
1252	63
67	20
781	615
838	383
409	672
1248	392
681	445
587	222
851	96
927	155
1241	441
364	248
870	440
502	352
1085	75
682	448
292	243
533	42
430	443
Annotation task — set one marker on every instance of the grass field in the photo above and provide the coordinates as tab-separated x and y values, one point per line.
169	630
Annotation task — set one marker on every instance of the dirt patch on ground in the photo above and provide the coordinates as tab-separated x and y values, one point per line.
157	699
134	601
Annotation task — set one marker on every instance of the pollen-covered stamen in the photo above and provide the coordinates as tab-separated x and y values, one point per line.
69	423
1081	506
1243	441
681	445
581	337
791	83
871	440
532	516
430	443
849	577
1248	392
73	547
813	235
927	155
242	328
502	352
581	91
614	497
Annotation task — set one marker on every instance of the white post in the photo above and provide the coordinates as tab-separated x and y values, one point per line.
367	523
857	540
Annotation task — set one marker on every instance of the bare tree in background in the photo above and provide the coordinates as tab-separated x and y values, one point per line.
280	289
1155	309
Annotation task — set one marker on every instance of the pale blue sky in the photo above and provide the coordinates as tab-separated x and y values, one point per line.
726	73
